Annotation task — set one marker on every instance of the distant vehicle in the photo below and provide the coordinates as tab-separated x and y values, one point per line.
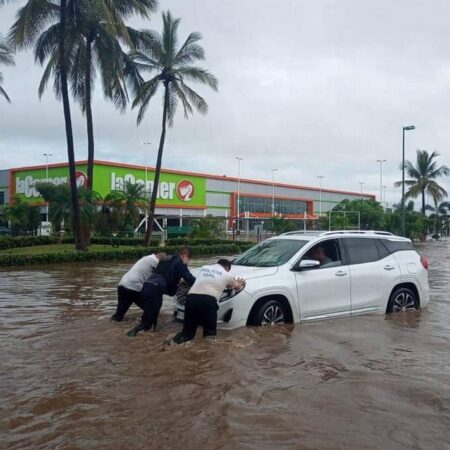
4	231
362	272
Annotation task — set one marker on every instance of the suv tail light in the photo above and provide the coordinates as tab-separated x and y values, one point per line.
424	261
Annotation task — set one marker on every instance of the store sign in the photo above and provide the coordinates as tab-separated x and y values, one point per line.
183	190
26	185
174	189
26	182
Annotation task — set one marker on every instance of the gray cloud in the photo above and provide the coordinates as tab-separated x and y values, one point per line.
310	88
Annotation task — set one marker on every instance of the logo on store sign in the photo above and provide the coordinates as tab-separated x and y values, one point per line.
185	190
81	178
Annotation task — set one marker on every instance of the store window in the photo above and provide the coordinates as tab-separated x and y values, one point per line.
264	205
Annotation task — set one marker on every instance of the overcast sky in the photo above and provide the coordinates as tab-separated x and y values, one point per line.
308	87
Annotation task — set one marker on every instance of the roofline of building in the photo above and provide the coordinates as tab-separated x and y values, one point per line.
197	174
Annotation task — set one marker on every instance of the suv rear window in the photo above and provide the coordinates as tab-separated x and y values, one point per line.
361	250
396	246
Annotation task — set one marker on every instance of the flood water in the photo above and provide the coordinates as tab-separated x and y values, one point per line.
71	379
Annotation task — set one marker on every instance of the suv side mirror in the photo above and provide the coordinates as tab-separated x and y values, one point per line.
306	264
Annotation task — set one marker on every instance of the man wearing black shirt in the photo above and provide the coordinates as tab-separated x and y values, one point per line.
164	280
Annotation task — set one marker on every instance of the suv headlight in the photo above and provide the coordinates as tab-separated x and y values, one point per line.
227	294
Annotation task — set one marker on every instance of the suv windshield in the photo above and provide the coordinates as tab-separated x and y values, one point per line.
270	253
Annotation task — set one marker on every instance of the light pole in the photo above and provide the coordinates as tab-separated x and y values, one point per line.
381	161
273	191
320	177
239	159
408	128
46	180
384	195
361	183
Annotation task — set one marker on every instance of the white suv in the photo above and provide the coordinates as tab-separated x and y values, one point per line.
298	277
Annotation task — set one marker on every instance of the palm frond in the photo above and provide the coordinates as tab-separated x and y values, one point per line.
6	53
31	19
199	75
171	107
145	94
199	102
169	37
182	96
3	92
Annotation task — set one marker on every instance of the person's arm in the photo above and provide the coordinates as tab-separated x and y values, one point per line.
187	275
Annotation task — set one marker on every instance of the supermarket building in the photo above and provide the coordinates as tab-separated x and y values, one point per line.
185	194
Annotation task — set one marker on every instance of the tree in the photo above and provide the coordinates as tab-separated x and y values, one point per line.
423	176
23	217
31	21
95	35
415	223
126	205
58	199
6	58
281	225
208	227
371	214
440	213
172	65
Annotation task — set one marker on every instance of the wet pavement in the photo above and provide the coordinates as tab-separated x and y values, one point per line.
71	379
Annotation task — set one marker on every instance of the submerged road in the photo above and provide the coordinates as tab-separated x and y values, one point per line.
71	379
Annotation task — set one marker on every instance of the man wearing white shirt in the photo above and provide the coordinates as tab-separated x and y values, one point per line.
130	286
202	302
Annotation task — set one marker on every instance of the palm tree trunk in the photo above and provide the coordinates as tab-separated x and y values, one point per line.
79	237
423	202
151	209
90	124
90	129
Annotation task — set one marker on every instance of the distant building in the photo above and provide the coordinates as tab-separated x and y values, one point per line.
185	194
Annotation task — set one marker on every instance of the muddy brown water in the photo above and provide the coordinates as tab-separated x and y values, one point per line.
71	379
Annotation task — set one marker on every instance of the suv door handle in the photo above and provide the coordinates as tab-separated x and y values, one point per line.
388	267
340	273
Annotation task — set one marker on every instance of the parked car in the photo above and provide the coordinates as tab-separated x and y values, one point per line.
362	272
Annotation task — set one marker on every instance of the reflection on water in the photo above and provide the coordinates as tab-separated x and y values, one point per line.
70	378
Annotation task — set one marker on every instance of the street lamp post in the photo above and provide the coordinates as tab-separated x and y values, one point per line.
46	180
408	128
320	177
273	191
239	159
381	161
361	183
384	195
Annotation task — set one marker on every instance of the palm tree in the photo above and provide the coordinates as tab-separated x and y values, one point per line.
6	58
172	65
96	33
127	203
440	213
423	176
31	21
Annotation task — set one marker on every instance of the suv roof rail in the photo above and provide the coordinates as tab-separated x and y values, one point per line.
382	233
311	232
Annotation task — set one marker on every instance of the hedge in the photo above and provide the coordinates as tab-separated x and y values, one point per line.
29	241
118	255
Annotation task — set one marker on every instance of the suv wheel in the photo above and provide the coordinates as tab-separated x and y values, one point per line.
401	300
271	312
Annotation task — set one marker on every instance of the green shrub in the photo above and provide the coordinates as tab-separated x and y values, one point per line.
118	255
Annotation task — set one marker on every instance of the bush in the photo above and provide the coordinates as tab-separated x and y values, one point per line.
8	242
119	255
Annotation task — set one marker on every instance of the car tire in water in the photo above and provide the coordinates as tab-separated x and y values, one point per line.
401	300
271	312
